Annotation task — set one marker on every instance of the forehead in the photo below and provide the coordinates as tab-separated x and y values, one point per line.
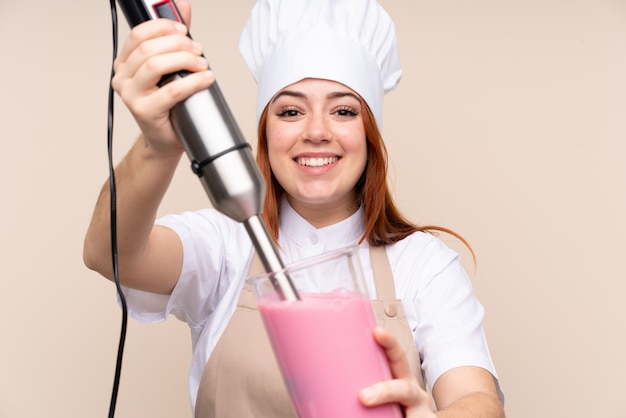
317	86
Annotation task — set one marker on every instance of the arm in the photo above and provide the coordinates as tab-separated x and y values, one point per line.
463	392
150	258
467	392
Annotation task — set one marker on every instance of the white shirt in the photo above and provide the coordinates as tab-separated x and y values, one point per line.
441	308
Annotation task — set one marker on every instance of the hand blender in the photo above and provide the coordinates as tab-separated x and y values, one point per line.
219	154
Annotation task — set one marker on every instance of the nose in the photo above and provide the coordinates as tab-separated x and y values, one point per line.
317	129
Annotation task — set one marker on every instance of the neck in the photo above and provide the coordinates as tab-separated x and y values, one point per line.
325	214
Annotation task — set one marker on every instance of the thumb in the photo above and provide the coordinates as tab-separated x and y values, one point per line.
184	8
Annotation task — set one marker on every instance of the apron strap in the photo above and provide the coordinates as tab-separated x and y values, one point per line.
389	310
383	276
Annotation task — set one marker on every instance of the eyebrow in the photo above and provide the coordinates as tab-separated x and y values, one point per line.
333	95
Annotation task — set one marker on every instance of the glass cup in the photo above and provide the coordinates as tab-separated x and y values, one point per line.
323	342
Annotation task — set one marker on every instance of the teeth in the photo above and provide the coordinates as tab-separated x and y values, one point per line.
316	162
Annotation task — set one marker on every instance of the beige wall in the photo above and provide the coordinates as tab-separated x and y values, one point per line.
509	127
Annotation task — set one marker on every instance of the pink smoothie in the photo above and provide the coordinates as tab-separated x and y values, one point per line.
327	353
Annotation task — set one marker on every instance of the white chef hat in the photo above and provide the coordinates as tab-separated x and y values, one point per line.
352	42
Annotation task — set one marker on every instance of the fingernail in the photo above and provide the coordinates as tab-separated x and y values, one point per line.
368	395
180	27
196	46
203	62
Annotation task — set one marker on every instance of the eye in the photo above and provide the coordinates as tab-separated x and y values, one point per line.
346	111
289	112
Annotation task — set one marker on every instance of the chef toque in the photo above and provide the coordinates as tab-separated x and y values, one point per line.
352	42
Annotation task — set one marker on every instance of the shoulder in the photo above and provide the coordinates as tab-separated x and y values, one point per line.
209	238
205	222
421	248
419	260
208	217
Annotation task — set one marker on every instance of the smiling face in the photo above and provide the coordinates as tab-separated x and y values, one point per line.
317	148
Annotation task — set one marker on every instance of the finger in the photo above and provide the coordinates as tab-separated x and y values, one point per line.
150	72
184	87
396	356
404	392
132	87
150	29
162	99
153	48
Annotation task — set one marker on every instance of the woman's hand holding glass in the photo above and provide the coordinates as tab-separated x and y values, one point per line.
403	388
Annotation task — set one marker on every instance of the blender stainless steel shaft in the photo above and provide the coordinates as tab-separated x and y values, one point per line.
219	154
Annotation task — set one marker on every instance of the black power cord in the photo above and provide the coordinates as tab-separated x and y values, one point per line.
113	199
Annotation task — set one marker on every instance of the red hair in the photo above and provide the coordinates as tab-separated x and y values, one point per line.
384	224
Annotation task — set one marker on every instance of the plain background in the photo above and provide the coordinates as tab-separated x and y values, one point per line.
508	126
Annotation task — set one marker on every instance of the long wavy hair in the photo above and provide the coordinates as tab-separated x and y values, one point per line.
384	223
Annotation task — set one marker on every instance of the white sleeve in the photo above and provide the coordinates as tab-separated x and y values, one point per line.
450	332
444	311
203	279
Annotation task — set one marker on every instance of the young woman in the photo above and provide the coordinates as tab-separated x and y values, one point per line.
322	68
